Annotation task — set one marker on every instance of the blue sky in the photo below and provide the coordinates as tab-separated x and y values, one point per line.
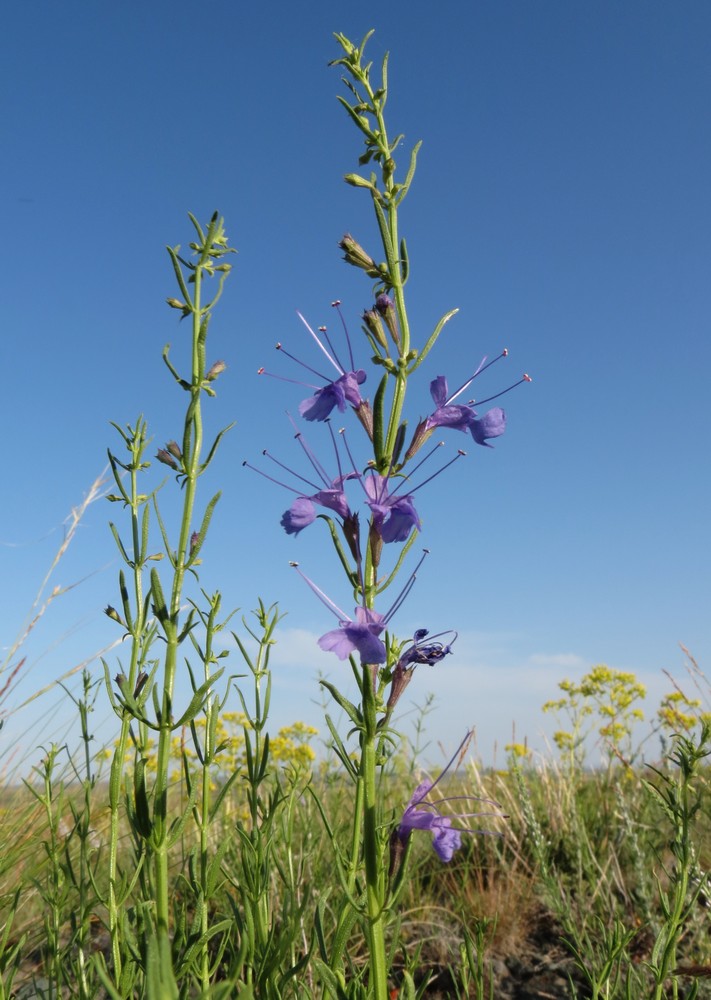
561	202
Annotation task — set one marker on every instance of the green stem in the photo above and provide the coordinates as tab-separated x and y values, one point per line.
374	876
137	442
192	444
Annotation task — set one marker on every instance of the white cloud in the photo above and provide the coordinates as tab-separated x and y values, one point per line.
298	647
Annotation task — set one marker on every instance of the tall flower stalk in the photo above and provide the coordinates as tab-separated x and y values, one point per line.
385	484
152	607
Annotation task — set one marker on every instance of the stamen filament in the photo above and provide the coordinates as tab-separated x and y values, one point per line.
337	306
408	477
316	465
480	402
482	368
324	333
335	365
283	378
342	432
406	589
460	454
335	449
286	468
303	364
428	639
333	608
271	479
459	752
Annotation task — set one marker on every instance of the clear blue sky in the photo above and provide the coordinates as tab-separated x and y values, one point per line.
561	202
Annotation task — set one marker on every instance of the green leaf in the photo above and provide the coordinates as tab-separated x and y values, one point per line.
160	979
198	699
379	420
433	339
348	707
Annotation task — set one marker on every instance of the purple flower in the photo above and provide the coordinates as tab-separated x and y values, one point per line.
462	417
445	838
334	394
303	510
423	814
337	392
393	517
426	652
331	495
359	636
362	633
419	652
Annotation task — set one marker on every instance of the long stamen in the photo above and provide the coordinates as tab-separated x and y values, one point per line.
323	330
482	368
480	402
342	432
460	751
406	589
460	454
303	364
286	468
359	569
334	363
283	378
316	465
271	479
337	306
333	608
468	798
335	448
426	640
406	478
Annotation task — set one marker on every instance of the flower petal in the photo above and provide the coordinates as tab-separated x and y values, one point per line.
446	840
403	518
439	390
491	425
320	405
300	515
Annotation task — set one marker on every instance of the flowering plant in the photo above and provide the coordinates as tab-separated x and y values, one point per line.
369	507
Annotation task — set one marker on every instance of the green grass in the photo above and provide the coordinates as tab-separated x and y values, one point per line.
589	858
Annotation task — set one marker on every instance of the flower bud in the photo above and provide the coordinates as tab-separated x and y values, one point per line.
397	849
355	254
355	180
166	458
183	306
217	369
364	412
174	448
385	306
401	678
113	614
374	324
140	683
422	433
